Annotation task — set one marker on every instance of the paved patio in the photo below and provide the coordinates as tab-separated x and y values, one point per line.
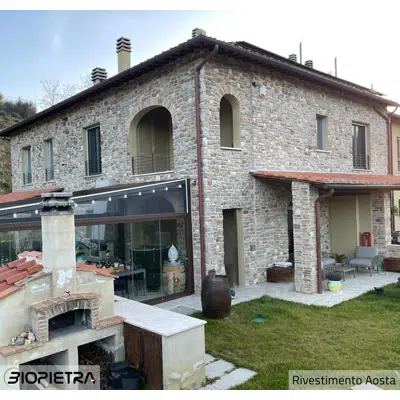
352	287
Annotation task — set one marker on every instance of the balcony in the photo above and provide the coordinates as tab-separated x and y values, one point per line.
27	178
151	163
49	174
361	161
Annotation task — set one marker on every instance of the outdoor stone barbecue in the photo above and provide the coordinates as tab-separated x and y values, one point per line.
49	304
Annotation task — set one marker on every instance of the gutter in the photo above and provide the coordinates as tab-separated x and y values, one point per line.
389	186
318	235
200	158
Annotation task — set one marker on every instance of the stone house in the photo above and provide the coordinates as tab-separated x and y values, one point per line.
253	138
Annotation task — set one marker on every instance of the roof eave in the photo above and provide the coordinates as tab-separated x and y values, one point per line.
191	45
358	187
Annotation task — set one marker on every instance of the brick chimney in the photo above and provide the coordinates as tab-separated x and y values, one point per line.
58	241
124	53
98	75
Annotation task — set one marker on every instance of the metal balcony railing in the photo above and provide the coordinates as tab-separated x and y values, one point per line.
49	174
361	161
27	178
150	163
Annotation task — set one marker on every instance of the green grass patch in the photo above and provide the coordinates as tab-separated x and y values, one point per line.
359	334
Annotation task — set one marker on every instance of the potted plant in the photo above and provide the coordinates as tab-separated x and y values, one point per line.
334	281
339	258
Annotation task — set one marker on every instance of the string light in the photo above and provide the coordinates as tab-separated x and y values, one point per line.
153	190
109	199
140	193
166	188
93	201
125	196
180	186
15	215
36	211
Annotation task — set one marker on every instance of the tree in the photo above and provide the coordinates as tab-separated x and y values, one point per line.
22	108
55	91
12	112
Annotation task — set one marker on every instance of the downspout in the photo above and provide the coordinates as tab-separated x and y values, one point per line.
318	235
200	158
388	118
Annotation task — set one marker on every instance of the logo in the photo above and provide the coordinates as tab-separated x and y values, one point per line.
52	377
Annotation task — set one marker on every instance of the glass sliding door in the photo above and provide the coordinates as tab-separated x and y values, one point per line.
146	254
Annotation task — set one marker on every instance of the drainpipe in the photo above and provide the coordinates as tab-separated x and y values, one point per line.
318	235
200	158
388	118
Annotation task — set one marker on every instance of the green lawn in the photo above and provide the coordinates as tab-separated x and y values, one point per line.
359	334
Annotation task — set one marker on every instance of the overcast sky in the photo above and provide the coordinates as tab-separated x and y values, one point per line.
63	45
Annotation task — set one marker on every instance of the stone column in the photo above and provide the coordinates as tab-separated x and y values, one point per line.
305	255
381	230
58	241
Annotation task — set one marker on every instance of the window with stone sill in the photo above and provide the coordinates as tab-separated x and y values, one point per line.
360	146
48	160
229	118
92	150
26	165
322	133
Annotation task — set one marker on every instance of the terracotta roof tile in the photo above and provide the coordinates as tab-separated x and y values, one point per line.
85	267
17	277
4	286
5	275
26	195
26	265
330	178
13	264
35	268
22	269
34	254
97	271
10	290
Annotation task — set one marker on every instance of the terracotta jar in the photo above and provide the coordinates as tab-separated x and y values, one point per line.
216	296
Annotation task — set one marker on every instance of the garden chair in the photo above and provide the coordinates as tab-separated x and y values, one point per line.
366	257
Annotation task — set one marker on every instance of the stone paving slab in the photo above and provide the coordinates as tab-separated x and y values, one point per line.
234	378
184	310
209	387
209	359
218	368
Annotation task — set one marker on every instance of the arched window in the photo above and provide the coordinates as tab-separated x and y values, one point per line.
229	117
151	141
